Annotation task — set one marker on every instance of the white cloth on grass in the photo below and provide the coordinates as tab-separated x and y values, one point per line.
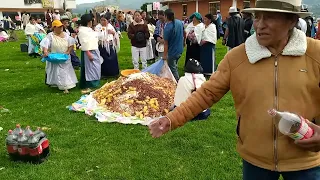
62	74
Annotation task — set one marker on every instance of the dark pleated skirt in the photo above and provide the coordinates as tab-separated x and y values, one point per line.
110	65
207	58
193	51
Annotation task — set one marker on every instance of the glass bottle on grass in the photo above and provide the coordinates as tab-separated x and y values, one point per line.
291	125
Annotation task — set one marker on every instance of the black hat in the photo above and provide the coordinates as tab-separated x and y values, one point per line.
193	66
85	19
107	16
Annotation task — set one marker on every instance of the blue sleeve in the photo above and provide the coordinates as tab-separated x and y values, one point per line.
166	33
156	31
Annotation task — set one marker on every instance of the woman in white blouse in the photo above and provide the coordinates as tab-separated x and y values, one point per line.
32	29
193	33
60	75
108	46
151	43
208	43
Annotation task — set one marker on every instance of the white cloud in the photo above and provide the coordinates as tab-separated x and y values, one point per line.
87	1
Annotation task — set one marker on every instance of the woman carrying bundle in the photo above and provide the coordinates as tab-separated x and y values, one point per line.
59	75
109	44
194	34
35	34
208	43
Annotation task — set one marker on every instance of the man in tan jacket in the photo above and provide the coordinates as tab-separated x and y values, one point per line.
277	67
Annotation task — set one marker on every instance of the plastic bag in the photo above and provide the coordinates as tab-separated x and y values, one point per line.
56	58
155	68
161	69
166	72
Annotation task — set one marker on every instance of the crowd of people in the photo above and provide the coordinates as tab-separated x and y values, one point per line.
152	36
99	43
239	26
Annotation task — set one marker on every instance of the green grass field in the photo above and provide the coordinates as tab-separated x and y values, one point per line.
82	148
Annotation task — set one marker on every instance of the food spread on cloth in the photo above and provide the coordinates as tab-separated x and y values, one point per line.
141	95
137	98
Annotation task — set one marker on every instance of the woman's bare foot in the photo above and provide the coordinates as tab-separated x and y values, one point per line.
66	91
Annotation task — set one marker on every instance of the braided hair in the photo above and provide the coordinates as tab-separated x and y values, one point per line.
170	16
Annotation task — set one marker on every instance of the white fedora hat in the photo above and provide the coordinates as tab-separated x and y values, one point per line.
160	47
233	10
282	6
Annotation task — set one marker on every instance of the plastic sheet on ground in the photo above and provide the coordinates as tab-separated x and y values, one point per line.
89	106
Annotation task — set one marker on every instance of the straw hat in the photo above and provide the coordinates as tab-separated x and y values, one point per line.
282	6
160	47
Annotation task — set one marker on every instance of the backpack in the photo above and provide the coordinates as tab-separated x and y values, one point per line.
140	36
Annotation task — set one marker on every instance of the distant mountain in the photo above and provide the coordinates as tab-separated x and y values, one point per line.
311	2
314	5
123	4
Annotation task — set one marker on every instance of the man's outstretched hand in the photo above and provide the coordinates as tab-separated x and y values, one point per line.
159	127
313	143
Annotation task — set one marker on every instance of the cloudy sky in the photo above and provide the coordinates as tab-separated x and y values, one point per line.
86	1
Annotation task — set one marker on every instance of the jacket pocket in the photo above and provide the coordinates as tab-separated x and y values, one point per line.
239	129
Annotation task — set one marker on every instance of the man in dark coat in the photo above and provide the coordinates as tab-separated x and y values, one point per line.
234	35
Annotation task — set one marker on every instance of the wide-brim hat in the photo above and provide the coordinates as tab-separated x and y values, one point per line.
233	10
281	6
160	47
64	17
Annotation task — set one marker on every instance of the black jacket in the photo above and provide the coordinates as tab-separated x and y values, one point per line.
236	31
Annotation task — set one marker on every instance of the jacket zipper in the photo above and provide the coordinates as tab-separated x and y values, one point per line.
276	107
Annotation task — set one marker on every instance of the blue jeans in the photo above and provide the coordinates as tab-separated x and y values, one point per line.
172	62
251	172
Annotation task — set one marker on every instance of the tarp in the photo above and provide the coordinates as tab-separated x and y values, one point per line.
161	69
88	105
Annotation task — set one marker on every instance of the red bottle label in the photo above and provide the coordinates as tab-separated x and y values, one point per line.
12	149
304	132
23	150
